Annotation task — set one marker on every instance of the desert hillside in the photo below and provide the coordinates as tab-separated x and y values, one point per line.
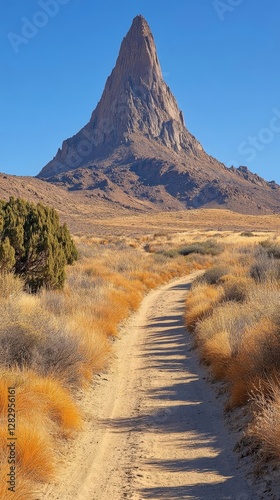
87	213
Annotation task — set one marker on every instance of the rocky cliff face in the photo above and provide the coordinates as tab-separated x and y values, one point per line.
136	140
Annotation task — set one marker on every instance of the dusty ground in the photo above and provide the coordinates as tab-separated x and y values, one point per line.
178	221
155	428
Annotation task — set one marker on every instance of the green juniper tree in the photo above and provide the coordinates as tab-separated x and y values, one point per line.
33	244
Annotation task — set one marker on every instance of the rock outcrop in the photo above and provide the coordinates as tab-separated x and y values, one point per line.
137	141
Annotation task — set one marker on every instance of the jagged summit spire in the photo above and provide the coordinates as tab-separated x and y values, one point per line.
136	100
140	22
138	55
140	27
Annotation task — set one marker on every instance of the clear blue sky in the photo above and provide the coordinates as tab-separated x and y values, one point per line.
220	58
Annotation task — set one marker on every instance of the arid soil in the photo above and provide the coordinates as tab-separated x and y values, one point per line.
154	426
88	212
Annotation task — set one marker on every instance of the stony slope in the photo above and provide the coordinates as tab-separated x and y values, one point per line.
89	212
80	210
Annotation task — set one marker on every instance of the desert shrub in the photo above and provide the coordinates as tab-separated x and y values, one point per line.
265	268
265	298
29	337
7	255
247	234
96	350
60	355
34	244
44	401
240	344
235	288
258	353
260	350
238	335
170	253
53	301
213	275
271	248
43	395
209	247
197	260
18	343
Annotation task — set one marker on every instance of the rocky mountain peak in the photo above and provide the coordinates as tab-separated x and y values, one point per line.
138	60
136	105
137	152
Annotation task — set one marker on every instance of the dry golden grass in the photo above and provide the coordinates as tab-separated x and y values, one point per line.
240	331
201	220
59	405
94	346
238	336
45	411
34	459
216	352
23	490
25	399
72	329
255	361
34	454
201	302
265	427
10	286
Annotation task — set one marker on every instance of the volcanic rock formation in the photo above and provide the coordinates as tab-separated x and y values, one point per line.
136	145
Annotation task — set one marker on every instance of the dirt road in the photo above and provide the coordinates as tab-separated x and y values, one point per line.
154	426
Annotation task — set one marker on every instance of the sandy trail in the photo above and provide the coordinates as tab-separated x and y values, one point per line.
158	430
